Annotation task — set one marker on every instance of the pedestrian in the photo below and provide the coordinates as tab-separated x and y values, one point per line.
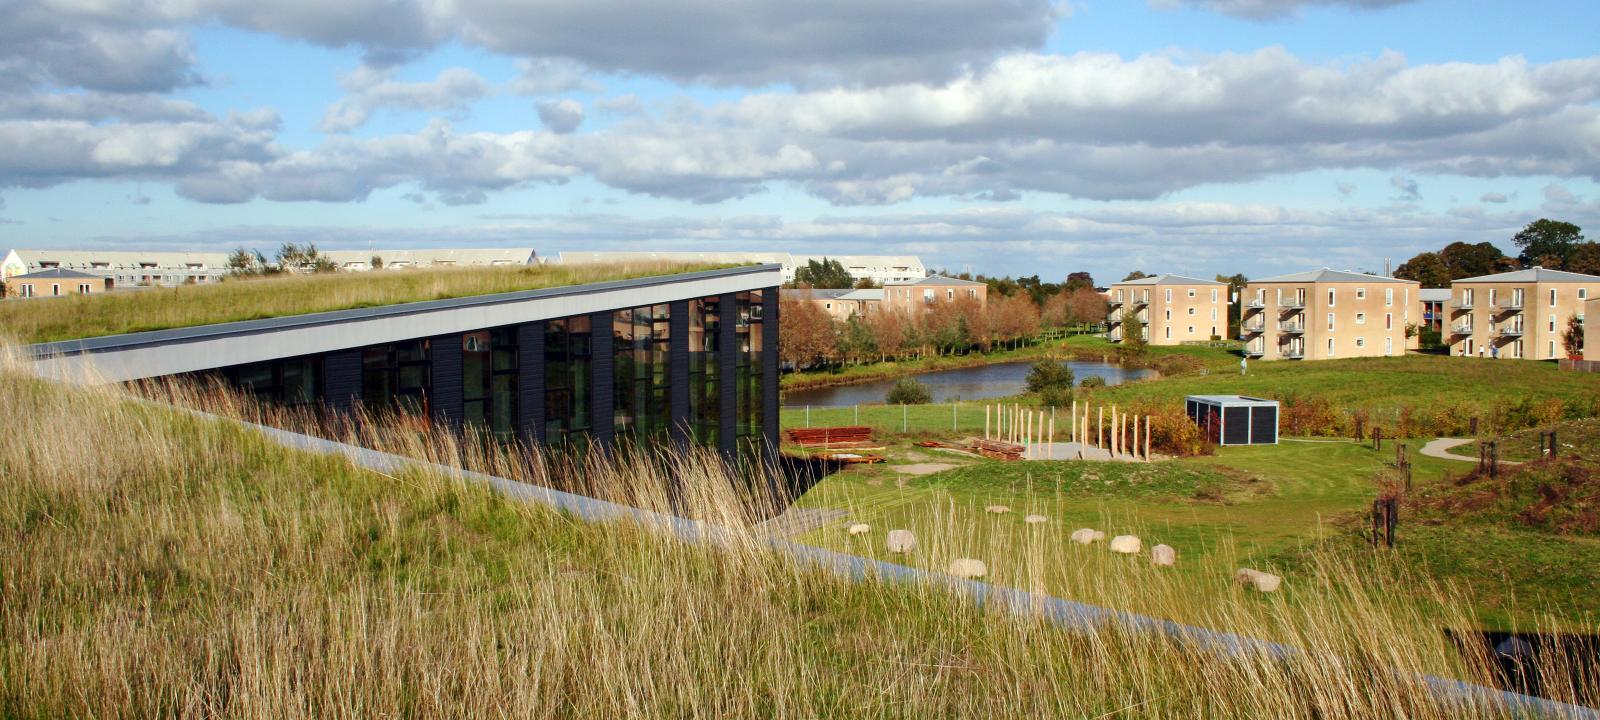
1244	365
1494	352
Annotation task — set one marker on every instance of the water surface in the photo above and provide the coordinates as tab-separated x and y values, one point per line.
973	383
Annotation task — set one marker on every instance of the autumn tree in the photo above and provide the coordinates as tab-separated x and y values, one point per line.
809	336
1585	259
1572	339
1427	268
1080	279
1136	275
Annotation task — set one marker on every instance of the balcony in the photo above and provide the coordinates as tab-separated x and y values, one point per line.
1253	327
1509	306
1114	319
1292	328
1253	352
1461	330
1114	303
1461	304
1293	353
1508	332
1291	303
1141	302
1256	304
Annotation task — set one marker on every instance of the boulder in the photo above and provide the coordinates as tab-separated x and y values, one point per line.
1263	582
997	509
968	568
1163	555
1035	519
902	541
1125	544
860	529
1086	536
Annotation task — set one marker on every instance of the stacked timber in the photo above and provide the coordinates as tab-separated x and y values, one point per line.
997	449
831	436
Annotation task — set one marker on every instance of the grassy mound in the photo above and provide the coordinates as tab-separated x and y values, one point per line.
155	564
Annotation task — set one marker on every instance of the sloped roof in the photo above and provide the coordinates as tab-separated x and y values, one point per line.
1534	274
816	293
933	280
56	273
1434	294
465	256
122	258
866	294
1326	276
1169	279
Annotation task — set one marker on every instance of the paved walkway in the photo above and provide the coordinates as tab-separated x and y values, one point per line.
1441	447
799	521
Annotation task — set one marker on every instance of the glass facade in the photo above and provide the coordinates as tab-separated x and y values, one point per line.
640	339
568	353
291	382
489	380
747	368
397	376
705	343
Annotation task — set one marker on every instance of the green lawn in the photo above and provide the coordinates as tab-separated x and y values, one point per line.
1261	505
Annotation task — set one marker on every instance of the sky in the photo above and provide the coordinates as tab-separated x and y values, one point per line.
1003	137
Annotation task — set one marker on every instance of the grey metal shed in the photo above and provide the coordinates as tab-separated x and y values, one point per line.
1235	419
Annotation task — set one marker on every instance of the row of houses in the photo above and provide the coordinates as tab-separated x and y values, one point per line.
894	296
880	269
1326	313
53	272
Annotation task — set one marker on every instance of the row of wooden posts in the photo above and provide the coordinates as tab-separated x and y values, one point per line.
1035	429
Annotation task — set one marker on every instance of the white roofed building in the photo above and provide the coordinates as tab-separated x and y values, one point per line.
360	260
880	269
122	268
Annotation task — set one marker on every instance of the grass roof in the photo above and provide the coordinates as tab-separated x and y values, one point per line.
116	313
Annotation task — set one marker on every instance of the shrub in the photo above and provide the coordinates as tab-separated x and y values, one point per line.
909	391
1172	432
1092	382
1048	374
1056	396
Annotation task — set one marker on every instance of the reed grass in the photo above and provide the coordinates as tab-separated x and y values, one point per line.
80	316
158	563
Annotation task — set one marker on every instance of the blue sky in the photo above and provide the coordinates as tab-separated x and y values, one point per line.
1011	137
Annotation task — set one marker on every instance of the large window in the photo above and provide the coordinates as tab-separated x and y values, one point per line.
642	377
489	380
705	345
290	382
396	376
567	355
748	337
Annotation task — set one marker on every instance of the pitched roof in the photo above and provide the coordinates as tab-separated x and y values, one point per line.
464	256
1533	274
933	280
816	293
868	294
1169	279
1434	294
1325	276
124	258
56	273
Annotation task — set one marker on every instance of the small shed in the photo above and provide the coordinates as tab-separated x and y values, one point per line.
1235	419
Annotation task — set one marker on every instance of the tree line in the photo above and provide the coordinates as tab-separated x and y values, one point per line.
1551	244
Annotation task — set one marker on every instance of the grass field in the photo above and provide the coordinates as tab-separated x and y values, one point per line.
213	573
1264	505
115	313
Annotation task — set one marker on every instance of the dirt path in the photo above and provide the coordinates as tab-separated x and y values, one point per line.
1441	447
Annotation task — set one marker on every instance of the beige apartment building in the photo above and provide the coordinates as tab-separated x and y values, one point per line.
55	282
1326	314
928	292
1591	329
841	305
1171	309
1520	314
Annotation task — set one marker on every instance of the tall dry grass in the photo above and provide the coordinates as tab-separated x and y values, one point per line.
120	312
157	563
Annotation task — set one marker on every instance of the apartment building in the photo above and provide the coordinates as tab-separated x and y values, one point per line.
1325	314
1435	302
1591	329
881	269
362	260
1520	314
121	268
840	304
1171	309
931	291
54	283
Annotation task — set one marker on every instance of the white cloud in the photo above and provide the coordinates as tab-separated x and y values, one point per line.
1494	197
1275	9
560	116
453	91
1407	187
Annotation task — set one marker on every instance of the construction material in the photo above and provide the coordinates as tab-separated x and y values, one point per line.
830	435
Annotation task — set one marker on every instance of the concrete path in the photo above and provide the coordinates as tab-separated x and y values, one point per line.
799	521
1441	447
1070	450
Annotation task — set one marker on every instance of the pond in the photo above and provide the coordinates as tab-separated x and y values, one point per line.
973	383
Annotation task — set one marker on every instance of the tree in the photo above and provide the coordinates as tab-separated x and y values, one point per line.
1468	260
809	335
1572	339
909	391
1585	259
1136	275
294	258
826	273
1079	279
867	283
376	262
1545	238
1236	285
1133	342
1427	268
1048	373
242	262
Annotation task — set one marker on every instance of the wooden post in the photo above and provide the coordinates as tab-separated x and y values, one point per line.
1147	438
1072	426
1136	437
986	421
1052	445
1099	427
